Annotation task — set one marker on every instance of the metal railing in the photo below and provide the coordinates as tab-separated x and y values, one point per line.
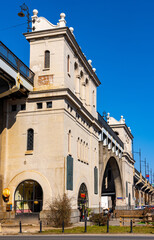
16	63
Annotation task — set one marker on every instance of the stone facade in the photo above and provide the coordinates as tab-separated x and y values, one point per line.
61	113
53	141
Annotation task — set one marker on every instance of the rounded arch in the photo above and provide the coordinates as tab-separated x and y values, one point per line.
83	200
28	197
83	190
35	176
111	181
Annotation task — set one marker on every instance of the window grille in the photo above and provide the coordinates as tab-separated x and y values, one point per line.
30	139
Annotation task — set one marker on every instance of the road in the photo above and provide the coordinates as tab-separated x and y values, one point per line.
79	237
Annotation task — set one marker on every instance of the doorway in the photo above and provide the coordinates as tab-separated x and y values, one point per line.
28	197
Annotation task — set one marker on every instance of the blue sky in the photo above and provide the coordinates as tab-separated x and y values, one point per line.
118	36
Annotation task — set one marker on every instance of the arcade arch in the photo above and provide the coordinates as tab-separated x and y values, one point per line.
112	183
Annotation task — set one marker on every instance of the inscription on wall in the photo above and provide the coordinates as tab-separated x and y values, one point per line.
45	80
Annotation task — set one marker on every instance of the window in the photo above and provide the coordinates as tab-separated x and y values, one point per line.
14	108
93	98
39	105
69	142
47	59
78	148
68	64
87	91
49	104
30	139
23	106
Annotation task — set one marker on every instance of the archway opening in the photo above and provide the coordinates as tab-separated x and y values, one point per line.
111	185
28	197
83	201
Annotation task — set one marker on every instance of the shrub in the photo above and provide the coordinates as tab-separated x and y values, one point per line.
99	219
59	211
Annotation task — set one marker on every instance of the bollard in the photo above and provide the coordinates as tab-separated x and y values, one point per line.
85	223
20	226
131	226
40	226
63	226
108	226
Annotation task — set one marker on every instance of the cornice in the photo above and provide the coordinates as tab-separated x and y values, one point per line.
128	157
69	95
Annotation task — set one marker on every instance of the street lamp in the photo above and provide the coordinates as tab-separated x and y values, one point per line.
25	8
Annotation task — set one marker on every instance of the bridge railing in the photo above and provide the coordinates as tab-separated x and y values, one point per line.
109	129
16	63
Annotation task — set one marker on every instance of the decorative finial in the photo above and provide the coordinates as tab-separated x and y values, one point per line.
62	21
129	129
122	120
71	29
94	69
35	12
90	61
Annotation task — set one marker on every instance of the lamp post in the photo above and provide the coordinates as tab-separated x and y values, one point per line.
139	157
25	8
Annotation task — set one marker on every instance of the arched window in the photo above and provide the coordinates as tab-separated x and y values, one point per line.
93	98
69	142
87	91
68	64
47	59
78	148
83	200
30	139
28	197
82	86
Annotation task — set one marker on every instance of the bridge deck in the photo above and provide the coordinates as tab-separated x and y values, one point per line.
10	66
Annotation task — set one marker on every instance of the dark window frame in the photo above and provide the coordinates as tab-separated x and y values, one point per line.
48	104
39	105
47	59
23	106
30	139
14	107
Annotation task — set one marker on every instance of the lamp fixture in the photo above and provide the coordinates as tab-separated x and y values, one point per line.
25	8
